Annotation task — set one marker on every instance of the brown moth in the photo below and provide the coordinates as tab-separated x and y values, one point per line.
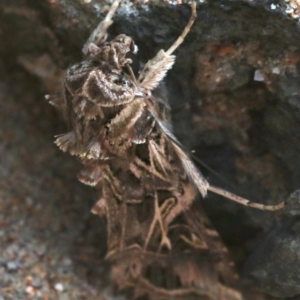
160	243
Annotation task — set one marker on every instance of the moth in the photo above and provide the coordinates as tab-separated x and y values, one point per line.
160	243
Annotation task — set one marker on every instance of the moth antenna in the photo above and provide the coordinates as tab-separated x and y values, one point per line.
186	30
156	68
201	183
244	201
99	35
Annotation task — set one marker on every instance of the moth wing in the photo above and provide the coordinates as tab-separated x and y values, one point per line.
201	227
191	170
197	267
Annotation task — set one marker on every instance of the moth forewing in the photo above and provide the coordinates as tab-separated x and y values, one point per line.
195	176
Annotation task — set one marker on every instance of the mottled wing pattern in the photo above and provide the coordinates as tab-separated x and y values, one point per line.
126	155
160	243
197	266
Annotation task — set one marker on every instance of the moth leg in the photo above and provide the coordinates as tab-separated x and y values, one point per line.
157	67
244	201
99	35
158	219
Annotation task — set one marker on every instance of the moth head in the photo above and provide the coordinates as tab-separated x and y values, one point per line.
114	52
125	43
